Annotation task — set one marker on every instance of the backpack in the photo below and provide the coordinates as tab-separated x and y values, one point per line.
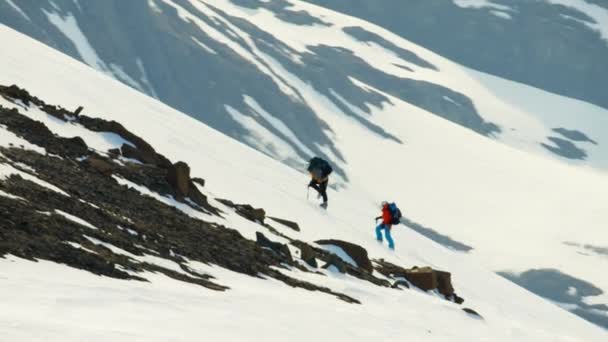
319	167
395	213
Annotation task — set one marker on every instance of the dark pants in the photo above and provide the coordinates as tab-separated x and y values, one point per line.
320	187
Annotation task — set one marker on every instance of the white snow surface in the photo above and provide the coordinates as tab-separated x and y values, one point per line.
514	208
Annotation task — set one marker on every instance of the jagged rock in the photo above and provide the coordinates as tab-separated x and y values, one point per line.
78	111
17	93
144	156
199	181
423	278
444	283
290	224
137	148
400	283
178	177
308	255
246	210
472	312
277	247
335	261
114	152
100	165
356	252
117	211
251	213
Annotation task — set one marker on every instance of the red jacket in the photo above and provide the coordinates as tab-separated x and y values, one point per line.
387	218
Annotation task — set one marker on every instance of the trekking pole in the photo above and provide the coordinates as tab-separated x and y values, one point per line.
307	192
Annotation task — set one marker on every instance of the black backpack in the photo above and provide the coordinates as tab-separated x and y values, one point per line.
395	213
317	165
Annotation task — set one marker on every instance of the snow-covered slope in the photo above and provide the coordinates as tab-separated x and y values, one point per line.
513	208
257	70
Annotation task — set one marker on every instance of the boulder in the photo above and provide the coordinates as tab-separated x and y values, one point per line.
100	166
277	247
308	255
356	252
444	283
144	156
423	278
178	177
335	261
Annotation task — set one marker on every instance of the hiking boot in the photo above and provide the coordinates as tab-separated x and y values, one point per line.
324	205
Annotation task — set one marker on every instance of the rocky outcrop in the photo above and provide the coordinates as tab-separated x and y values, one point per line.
118	216
424	278
246	210
307	254
356	252
178	176
286	223
123	225
279	248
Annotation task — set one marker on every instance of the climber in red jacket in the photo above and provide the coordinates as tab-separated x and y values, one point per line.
386	224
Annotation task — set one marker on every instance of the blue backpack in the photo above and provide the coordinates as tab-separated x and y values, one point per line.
395	213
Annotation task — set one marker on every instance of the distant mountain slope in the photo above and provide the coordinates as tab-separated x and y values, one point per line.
70	198
261	72
556	45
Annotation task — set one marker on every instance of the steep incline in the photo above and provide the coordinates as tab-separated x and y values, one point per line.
84	306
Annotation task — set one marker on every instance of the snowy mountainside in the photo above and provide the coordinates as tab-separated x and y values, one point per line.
84	305
262	72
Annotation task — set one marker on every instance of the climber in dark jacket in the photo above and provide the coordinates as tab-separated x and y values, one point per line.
319	170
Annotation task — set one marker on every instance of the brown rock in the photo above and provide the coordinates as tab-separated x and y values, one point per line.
356	252
199	181
444	283
424	278
178	177
308	255
100	165
286	223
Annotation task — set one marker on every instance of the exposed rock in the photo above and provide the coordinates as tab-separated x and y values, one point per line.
356	252
78	111
335	261
277	247
178	177
444	283
199	181
472	312
308	255
38	134
120	215
287	223
144	156
424	278
247	211
100	165
400	283
114	152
